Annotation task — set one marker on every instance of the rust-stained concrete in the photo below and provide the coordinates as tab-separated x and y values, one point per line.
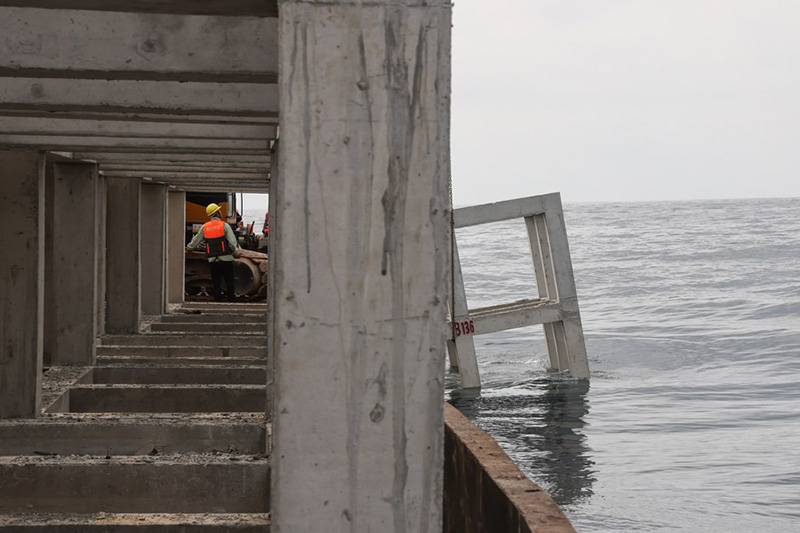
485	491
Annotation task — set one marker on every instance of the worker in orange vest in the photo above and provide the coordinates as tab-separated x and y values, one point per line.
221	248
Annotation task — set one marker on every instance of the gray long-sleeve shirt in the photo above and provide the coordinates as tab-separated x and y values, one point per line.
229	236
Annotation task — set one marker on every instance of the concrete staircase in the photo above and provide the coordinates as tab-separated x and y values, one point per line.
166	432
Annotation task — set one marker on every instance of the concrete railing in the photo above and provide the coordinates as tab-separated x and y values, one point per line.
556	308
484	491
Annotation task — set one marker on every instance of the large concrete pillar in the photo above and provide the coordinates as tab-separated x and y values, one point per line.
22	282
154	247
360	281
123	259
70	332
176	244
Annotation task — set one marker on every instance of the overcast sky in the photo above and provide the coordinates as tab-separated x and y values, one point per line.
621	100
608	100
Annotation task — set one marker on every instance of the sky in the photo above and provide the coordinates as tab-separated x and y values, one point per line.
625	100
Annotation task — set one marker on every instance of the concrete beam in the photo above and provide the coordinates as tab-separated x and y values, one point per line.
22	290
107	45
175	176
71	336
70	143
98	434
183	168
154	248
255	8
129	116
118	128
169	484
172	158
123	257
120	96
361	266
176	241
166	398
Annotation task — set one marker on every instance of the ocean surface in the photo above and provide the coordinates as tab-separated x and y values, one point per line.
691	419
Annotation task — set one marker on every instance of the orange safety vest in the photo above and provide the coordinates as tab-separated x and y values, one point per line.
214	235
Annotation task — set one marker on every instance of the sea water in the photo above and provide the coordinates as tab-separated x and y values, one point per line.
691	418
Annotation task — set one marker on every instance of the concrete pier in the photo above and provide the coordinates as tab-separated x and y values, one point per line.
171	415
70	335
154	247
176	231
123	256
22	289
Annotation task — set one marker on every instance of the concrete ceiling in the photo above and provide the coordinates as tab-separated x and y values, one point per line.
182	92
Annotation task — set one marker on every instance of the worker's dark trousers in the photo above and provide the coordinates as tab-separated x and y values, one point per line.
222	270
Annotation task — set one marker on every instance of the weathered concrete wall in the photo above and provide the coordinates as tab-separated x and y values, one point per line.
21	282
123	256
485	491
176	259
361	222
154	251
70	334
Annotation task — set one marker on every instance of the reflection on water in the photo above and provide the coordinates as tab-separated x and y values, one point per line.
541	428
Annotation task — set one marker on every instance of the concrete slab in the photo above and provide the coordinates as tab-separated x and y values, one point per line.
166	399
133	434
203	318
214	374
193	483
176	361
196	339
182	351
252	328
138	522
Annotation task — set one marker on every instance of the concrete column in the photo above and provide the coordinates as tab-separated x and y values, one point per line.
102	205
123	259
49	310
361	269
22	286
70	332
176	243
154	247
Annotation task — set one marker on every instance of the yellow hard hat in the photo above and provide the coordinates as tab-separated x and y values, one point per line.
212	208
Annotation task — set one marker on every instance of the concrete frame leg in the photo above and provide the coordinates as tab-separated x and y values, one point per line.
154	251
176	244
70	333
123	256
22	287
360	281
462	348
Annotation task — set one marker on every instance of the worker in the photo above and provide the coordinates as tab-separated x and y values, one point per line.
221	248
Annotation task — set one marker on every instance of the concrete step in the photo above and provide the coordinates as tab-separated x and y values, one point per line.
162	399
133	434
185	318
212	374
252	328
190	340
224	306
136	522
183	351
191	483
149	361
